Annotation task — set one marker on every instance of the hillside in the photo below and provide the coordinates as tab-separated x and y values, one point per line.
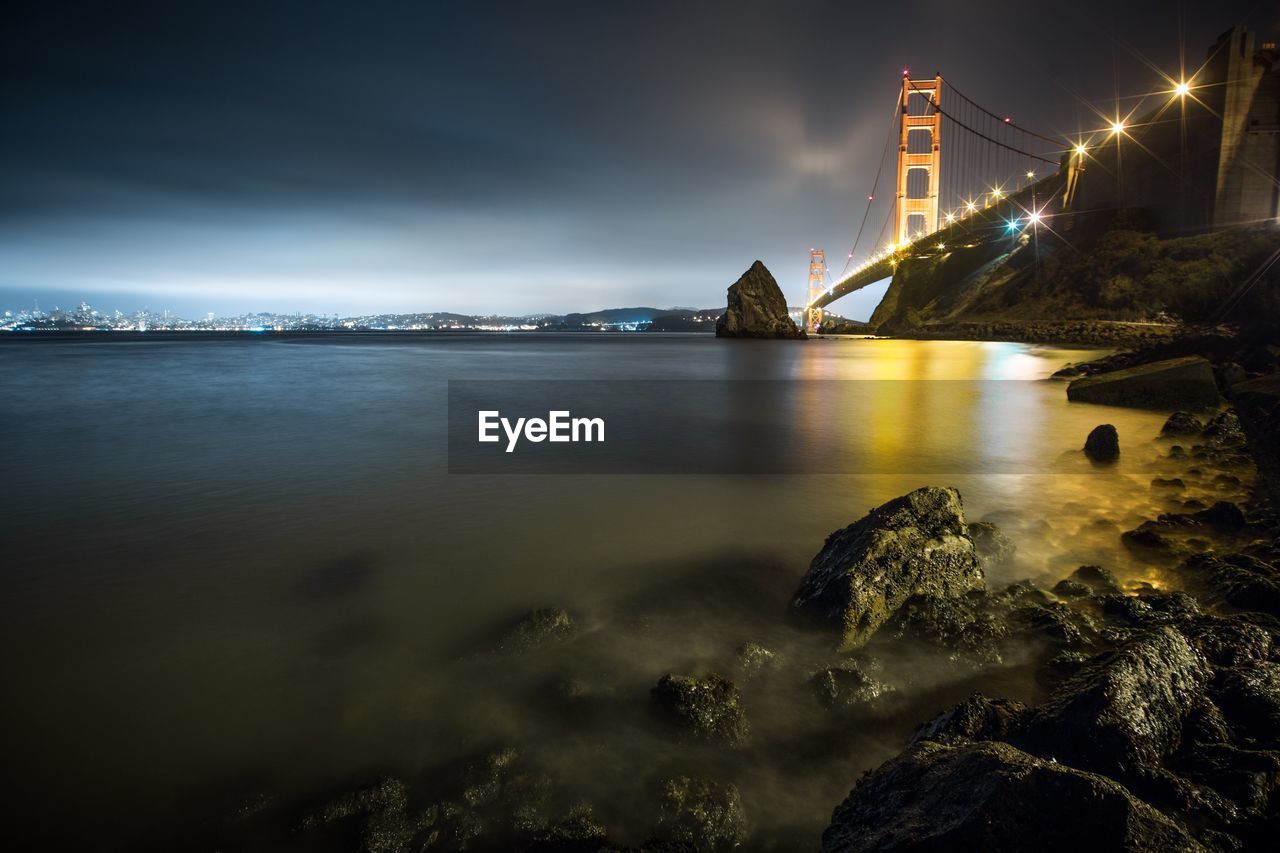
1106	268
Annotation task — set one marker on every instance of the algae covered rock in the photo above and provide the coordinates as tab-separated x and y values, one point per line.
704	708
917	544
995	798
701	814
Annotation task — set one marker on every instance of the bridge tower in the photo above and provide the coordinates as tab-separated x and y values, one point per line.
817	285
914	156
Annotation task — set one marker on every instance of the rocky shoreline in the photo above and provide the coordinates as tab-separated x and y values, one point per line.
1100	333
1156	726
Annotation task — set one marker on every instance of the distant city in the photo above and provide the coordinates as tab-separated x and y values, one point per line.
86	318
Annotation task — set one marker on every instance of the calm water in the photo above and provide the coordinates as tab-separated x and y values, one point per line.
234	566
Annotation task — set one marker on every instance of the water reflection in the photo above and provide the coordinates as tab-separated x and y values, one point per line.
222	555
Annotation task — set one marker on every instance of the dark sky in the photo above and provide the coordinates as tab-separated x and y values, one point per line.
514	157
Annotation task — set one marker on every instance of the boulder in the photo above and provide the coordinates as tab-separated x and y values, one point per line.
995	798
1241	580
1182	423
1170	384
1103	444
1098	579
707	708
993	547
956	625
976	718
701	814
845	686
1258	402
1225	430
1123	712
537	628
917	544
754	659
757	308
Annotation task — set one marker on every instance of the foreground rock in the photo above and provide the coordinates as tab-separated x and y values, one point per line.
1123	714
707	708
701	814
993	797
915	545
757	308
1171	384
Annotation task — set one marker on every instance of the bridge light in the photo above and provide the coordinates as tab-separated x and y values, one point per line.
1031	174
1080	151
1034	217
1117	127
1013	224
971	205
951	217
941	247
1182	89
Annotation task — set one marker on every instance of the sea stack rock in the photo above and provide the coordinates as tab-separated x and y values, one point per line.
757	308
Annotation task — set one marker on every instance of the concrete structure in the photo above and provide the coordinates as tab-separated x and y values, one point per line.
1209	158
1247	189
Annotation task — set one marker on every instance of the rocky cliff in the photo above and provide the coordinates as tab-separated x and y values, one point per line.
757	308
1105	267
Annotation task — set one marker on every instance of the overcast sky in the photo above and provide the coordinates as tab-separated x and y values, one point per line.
506	157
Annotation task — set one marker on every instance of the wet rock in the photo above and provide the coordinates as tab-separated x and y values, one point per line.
757	308
957	625
537	628
370	820
708	708
1224	430
1182	423
1231	373
1146	539
1099	580
1061	666
1156	385
976	718
845	686
577	832
1177	451
993	797
1228	642
993	547
1123	712
1103	444
1067	588
387	795
701	814
1243	581
1223	515
1258	401
754	660
1250	700
1057	623
917	544
1173	484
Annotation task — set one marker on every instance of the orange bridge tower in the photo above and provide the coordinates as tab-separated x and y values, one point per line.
919	158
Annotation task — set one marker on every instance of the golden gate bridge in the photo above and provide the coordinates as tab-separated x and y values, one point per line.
993	179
